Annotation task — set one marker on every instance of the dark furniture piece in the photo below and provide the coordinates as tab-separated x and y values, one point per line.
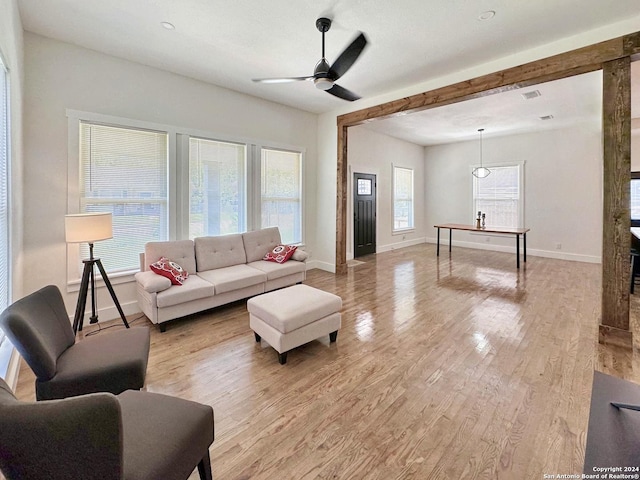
132	436
613	437
506	231
39	328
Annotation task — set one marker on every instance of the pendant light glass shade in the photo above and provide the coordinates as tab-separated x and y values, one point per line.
481	172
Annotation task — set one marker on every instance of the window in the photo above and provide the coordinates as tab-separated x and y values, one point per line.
281	193
124	171
635	199
217	188
4	201
163	182
402	199
499	196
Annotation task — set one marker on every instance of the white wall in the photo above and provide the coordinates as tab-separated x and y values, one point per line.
60	76
11	49
372	152
562	187
327	131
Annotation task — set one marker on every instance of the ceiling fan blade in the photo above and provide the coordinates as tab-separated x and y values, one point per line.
282	80
342	93
348	57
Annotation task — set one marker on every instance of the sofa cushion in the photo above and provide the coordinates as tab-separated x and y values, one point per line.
259	242
180	251
276	270
218	252
235	277
193	288
151	282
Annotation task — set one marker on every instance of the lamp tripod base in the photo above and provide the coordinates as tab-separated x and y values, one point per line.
88	278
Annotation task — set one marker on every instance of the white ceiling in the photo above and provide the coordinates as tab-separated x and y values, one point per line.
571	101
229	42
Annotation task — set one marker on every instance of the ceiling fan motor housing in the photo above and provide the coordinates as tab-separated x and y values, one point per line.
323	24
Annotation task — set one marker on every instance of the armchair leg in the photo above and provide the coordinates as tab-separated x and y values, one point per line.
204	467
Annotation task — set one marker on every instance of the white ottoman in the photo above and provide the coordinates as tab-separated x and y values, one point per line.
293	316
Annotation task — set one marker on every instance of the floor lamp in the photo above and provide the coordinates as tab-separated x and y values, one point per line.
90	228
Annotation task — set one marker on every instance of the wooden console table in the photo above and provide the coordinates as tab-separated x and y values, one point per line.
472	228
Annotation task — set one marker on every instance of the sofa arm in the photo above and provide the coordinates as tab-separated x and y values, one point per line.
300	255
152	282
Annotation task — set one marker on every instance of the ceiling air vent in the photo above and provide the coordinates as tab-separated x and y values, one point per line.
546	117
532	94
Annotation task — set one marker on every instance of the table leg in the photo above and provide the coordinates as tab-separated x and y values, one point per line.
450	230
517	251
524	239
438	243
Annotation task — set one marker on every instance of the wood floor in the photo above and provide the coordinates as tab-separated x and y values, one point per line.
449	368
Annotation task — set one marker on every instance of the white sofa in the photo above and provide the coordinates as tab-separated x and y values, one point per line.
222	269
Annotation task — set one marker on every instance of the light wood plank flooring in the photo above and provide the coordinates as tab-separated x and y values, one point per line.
449	368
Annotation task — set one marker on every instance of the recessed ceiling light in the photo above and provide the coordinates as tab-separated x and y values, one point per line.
488	15
168	26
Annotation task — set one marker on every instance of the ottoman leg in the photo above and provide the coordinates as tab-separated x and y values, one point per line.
333	336
257	337
282	358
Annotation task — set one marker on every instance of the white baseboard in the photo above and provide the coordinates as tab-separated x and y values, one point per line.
110	313
394	246
327	267
534	252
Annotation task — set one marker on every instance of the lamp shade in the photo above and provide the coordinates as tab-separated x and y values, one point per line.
88	227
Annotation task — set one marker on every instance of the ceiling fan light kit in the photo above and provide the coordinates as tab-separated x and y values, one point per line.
325	75
323	83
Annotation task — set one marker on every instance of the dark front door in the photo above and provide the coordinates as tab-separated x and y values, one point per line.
364	214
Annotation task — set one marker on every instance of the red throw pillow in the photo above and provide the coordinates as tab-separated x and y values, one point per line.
171	270
280	253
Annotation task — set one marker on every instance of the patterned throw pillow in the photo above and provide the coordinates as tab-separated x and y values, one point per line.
171	270
280	254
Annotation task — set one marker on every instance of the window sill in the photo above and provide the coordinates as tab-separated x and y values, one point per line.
115	279
403	231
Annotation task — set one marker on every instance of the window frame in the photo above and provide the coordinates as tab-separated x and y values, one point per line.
6	349
74	119
521	189
258	211
178	180
245	168
411	228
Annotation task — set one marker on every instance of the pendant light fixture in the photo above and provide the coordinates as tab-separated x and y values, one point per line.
481	172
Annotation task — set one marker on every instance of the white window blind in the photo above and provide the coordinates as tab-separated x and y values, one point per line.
402	198
217	187
124	171
4	199
499	196
281	193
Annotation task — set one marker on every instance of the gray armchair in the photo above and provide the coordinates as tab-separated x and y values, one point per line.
132	436
39	328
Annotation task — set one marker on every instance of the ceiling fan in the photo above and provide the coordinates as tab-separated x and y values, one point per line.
325	75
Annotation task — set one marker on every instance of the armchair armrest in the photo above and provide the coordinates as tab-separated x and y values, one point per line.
78	437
